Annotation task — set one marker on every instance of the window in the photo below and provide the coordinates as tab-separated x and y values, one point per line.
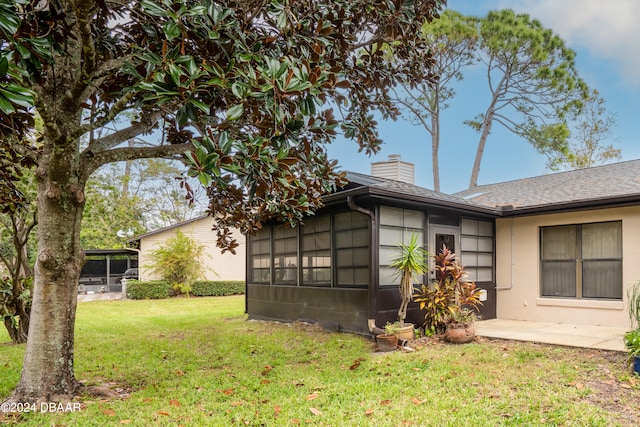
477	249
582	260
351	233
285	254
260	259
396	225
316	251
328	250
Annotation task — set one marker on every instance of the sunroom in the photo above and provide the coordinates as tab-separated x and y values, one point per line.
334	269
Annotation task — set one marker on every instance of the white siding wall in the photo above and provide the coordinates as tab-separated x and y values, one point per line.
518	270
218	266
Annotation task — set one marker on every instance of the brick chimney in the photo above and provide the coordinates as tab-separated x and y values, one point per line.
394	168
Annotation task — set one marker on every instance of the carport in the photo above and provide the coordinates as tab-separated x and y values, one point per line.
104	268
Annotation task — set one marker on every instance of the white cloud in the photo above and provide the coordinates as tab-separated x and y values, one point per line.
607	29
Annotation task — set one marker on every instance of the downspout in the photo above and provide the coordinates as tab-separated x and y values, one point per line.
371	321
508	288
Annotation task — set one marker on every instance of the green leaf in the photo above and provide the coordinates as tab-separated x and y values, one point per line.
239	89
152	8
200	105
204	179
5	106
9	22
189	64
235	112
192	158
276	68
4	66
218	12
176	73
17	95
195	11
152	57
172	30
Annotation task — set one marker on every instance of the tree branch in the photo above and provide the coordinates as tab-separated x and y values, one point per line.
118	137
92	161
48	119
101	73
116	109
84	11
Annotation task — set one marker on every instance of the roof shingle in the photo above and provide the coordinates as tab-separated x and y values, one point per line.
598	183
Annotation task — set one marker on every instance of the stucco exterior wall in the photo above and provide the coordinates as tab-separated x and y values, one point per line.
218	266
518	270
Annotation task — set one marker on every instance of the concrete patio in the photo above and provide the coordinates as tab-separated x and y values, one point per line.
598	337
107	296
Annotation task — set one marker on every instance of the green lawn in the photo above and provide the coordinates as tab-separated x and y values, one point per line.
198	361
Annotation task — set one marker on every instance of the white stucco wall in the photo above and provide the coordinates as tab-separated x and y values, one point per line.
518	270
218	266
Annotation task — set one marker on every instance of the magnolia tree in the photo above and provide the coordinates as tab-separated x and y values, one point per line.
243	89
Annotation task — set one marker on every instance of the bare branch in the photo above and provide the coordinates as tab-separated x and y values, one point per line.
116	109
109	141
92	161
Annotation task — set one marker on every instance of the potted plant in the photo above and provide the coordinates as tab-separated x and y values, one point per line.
632	343
410	264
460	326
632	337
449	300
387	341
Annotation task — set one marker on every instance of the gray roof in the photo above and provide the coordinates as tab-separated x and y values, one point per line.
612	184
160	230
385	187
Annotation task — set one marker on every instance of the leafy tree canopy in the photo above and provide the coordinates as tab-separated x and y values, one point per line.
243	88
242	85
590	133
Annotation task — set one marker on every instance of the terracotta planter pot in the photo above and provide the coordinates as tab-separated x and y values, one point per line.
406	333
387	342
458	335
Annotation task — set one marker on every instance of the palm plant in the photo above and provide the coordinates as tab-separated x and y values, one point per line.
411	263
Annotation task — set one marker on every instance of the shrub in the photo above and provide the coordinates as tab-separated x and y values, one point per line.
448	294
213	288
178	260
154	289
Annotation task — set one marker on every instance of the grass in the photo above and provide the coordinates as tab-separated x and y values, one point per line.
198	361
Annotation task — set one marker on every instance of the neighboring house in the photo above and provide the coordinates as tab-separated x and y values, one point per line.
218	266
549	248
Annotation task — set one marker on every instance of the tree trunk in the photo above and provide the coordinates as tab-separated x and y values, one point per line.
435	147
126	178
47	374
486	129
20	273
11	329
24	316
18	331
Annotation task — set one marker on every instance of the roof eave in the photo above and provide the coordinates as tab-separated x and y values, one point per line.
386	194
589	204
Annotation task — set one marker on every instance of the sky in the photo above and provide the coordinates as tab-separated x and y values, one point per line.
606	38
